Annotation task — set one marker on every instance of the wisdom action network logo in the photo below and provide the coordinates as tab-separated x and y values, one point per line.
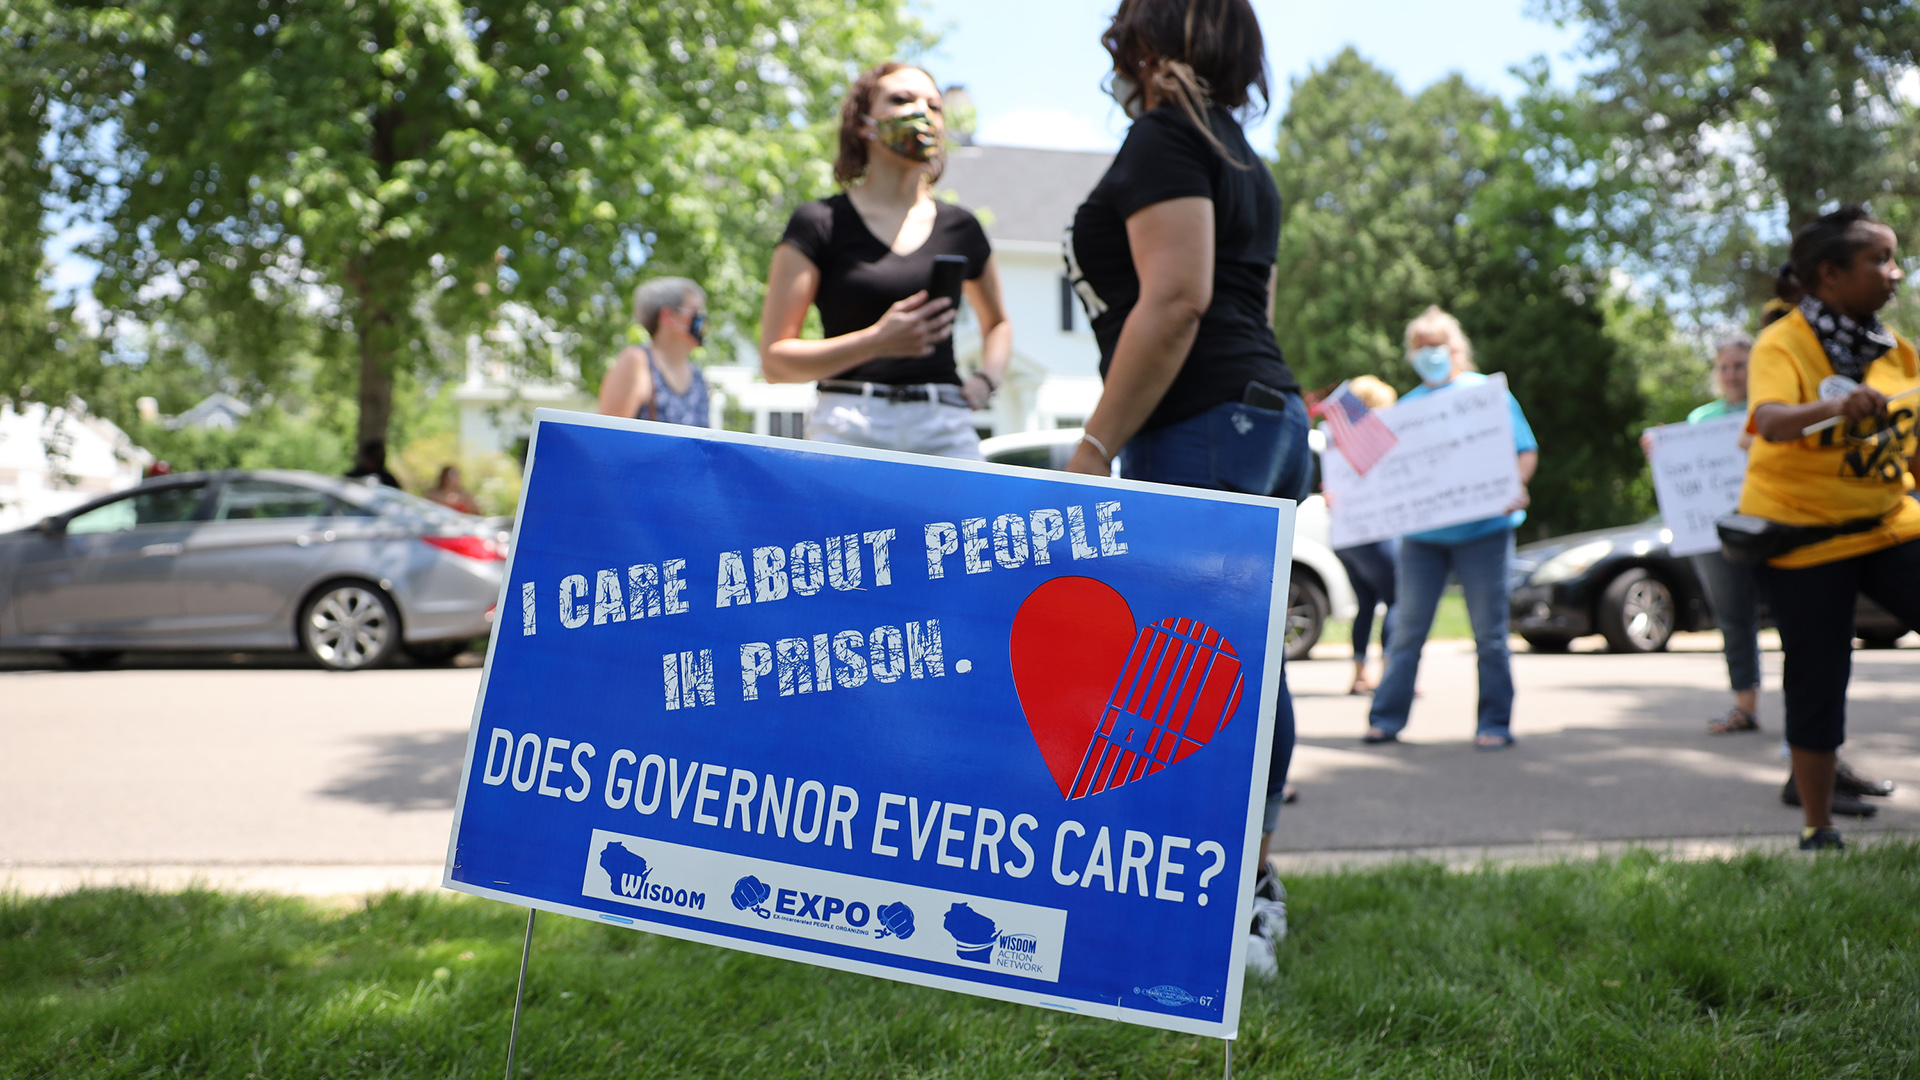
978	939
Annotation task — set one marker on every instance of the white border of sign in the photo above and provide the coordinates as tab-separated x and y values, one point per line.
1227	1028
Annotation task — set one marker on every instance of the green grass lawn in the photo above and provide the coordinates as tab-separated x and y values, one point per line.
1450	621
1761	966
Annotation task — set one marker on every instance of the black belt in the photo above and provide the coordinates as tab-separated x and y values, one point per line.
944	393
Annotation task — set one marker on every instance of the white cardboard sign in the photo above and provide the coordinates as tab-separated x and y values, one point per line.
1697	473
1454	464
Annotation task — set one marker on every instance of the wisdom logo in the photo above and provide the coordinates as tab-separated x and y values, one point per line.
631	877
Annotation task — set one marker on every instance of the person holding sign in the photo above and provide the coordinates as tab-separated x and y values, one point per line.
1478	552
657	381
1732	594
1172	256
1830	475
870	259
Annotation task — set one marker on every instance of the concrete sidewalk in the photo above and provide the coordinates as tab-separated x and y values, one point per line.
1610	748
293	780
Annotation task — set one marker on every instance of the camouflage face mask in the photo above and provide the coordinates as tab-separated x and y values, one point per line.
910	135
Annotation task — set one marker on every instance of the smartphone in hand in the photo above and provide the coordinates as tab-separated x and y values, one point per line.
949	275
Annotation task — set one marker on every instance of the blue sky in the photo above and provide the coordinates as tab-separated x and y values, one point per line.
1034	67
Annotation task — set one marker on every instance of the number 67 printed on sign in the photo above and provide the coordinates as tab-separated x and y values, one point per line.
975	727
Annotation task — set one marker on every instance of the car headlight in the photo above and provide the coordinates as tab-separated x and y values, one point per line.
1572	562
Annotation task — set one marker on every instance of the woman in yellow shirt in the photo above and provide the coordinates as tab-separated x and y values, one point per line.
1831	358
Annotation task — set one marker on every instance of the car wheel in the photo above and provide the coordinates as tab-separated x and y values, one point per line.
90	659
1547	643
1637	612
1307	608
435	653
349	626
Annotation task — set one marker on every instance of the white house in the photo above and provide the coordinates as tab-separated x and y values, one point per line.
1025	199
54	459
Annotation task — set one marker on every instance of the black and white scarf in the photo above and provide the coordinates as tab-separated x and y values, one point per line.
1851	347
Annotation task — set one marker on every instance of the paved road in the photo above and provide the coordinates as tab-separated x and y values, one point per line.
278	777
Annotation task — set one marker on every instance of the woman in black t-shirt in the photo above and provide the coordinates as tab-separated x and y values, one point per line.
886	369
1172	255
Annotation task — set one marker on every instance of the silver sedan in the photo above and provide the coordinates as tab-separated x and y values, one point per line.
347	571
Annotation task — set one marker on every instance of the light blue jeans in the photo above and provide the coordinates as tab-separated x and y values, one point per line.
1481	566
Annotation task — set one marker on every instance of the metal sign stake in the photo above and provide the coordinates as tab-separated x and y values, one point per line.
513	1033
1227	1074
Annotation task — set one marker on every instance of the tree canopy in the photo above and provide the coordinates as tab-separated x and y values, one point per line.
1395	201
385	168
1745	119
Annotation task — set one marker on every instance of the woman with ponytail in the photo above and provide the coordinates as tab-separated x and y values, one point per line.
1172	256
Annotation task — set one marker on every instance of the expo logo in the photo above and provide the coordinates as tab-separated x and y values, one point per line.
891	920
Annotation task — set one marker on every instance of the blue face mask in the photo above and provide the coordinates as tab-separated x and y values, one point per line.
1434	364
697	328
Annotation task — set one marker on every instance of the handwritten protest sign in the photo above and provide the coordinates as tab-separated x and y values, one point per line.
996	730
1454	463
1697	473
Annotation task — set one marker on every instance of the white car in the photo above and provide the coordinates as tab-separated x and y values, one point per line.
1317	591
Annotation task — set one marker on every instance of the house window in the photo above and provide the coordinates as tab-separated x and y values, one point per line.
1067	302
789	425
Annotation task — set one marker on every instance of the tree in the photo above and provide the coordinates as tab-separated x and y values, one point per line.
42	356
1737	109
1393	202
383	167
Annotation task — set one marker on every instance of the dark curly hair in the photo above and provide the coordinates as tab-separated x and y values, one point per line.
850	164
1207	51
1829	238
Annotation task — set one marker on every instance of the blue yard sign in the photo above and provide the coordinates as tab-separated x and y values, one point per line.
995	730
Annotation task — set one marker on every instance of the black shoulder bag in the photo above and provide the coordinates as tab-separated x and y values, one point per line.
1749	541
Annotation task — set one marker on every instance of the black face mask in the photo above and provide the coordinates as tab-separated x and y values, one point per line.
697	328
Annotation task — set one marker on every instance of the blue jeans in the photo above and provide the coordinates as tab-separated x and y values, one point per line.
1236	447
1370	569
1734	598
1482	568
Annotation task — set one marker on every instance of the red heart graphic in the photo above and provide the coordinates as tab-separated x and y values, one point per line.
1109	704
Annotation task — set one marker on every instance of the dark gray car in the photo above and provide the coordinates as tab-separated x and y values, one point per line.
347	571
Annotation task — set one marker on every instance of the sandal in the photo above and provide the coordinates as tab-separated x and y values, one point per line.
1492	742
1375	737
1736	721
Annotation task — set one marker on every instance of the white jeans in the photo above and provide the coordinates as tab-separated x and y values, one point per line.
914	427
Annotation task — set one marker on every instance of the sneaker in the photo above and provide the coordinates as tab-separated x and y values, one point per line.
1844	804
1270	907
1260	959
1845	779
1822	840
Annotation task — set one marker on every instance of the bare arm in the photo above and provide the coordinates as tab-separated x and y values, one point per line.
1777	421
1528	461
628	386
909	328
1173	254
996	330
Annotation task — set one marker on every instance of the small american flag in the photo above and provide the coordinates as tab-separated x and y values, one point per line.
1358	432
